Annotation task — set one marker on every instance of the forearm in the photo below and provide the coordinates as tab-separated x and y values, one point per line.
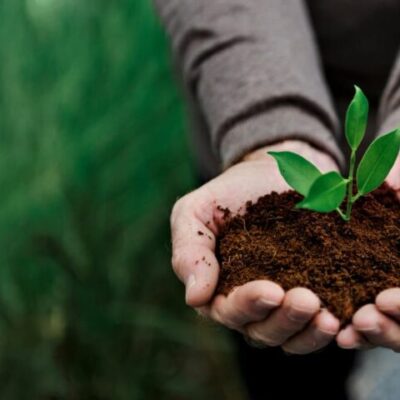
253	70
320	158
389	112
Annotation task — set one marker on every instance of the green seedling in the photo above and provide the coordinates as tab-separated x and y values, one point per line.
326	192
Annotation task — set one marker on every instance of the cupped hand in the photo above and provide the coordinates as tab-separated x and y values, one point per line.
260	309
377	324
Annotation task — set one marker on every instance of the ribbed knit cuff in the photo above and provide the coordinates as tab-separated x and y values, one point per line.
391	123
278	124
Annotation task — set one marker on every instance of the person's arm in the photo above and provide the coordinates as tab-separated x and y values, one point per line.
253	70
389	111
259	309
251	67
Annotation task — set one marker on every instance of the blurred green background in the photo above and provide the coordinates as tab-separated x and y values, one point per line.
92	155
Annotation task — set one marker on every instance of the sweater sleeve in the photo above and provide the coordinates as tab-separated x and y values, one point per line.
389	112
252	68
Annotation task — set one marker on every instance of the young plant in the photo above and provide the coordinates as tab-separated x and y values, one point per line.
326	192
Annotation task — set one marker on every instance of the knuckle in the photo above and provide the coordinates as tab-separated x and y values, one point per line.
299	350
180	261
215	316
317	341
179	207
257	336
220	317
181	204
253	333
308	344
229	322
299	315
271	342
288	349
323	336
385	325
216	313
175	210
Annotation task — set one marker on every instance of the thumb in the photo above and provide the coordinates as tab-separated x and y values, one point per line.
193	248
198	268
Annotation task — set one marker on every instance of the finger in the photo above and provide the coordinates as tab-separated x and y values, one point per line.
298	308
377	328
198	268
193	245
317	335
248	303
388	302
348	338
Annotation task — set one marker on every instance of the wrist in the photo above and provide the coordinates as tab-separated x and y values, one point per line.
321	159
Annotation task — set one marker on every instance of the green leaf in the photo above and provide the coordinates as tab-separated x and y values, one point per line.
377	162
326	194
299	173
356	119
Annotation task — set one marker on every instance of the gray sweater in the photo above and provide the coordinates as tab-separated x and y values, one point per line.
261	71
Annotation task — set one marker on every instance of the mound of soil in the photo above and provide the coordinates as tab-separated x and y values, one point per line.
345	263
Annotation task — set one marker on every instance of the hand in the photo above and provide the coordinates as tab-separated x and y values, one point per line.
377	324
259	309
393	178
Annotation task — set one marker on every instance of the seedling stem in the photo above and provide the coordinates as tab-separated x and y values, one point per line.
326	192
350	197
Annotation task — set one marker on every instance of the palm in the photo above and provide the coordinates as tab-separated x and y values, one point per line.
260	309
243	182
249	180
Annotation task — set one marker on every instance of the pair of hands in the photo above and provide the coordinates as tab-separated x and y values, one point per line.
261	310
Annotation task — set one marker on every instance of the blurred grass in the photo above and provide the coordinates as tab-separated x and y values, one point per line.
92	155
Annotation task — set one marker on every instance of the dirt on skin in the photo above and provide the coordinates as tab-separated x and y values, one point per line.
345	263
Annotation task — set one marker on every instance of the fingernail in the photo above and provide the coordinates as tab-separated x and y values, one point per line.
190	282
264	304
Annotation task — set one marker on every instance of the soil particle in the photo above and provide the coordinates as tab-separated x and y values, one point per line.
345	263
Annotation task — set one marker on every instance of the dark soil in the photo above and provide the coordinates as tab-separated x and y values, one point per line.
345	263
